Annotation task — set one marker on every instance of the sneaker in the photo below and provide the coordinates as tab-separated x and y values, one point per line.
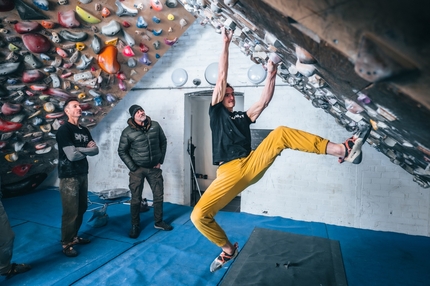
81	240
144	206
223	258
69	251
163	226
134	231
16	269
353	145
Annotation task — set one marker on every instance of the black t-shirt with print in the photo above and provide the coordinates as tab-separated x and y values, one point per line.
71	135
231	135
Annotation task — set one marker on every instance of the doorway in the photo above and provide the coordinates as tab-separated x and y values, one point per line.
198	140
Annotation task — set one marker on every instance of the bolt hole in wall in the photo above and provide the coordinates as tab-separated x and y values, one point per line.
198	132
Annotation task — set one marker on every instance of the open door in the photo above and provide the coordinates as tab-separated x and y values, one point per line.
199	141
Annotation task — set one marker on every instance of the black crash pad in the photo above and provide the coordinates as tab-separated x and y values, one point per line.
272	257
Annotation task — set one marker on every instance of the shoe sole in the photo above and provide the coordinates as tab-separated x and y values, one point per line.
356	154
160	228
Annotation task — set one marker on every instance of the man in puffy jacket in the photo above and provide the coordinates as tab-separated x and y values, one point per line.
142	147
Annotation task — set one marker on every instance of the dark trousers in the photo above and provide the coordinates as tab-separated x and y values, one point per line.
74	198
7	237
155	180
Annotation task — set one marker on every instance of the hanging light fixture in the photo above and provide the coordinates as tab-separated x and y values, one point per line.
211	73
257	74
179	77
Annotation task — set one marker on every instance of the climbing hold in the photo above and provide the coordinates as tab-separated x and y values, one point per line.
129	39
73	36
157	33
28	13
128	51
105	12
124	10
55	37
304	56
10	108
121	85
111	29
112	42
156	20
47	24
31	60
305	69
84	63
131	62
144	59
230	3
170	42
48	107
62	53
80	46
9	126
141	23
377	61
86	16
67	19
38	87
171	3
143	48
44	57
12	157
29	76
36	43
41	4
26	27
156	5
183	23
13	48
96	44
107	60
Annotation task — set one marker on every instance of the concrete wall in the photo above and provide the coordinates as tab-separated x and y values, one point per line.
374	195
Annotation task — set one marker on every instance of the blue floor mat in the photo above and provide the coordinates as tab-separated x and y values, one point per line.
39	246
383	258
183	256
163	259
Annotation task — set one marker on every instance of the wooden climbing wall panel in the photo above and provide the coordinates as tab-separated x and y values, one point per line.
50	51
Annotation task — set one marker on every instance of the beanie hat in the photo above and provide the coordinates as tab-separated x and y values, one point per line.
134	108
69	100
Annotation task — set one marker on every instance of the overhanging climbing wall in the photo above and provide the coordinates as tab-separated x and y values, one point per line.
50	51
360	61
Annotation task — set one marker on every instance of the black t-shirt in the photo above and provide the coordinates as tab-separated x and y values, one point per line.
231	135
71	135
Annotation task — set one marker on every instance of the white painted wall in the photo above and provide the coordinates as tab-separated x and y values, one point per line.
374	195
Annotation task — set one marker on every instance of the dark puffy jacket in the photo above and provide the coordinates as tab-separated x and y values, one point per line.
142	146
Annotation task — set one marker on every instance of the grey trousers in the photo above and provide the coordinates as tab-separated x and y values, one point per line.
155	180
7	237
74	198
